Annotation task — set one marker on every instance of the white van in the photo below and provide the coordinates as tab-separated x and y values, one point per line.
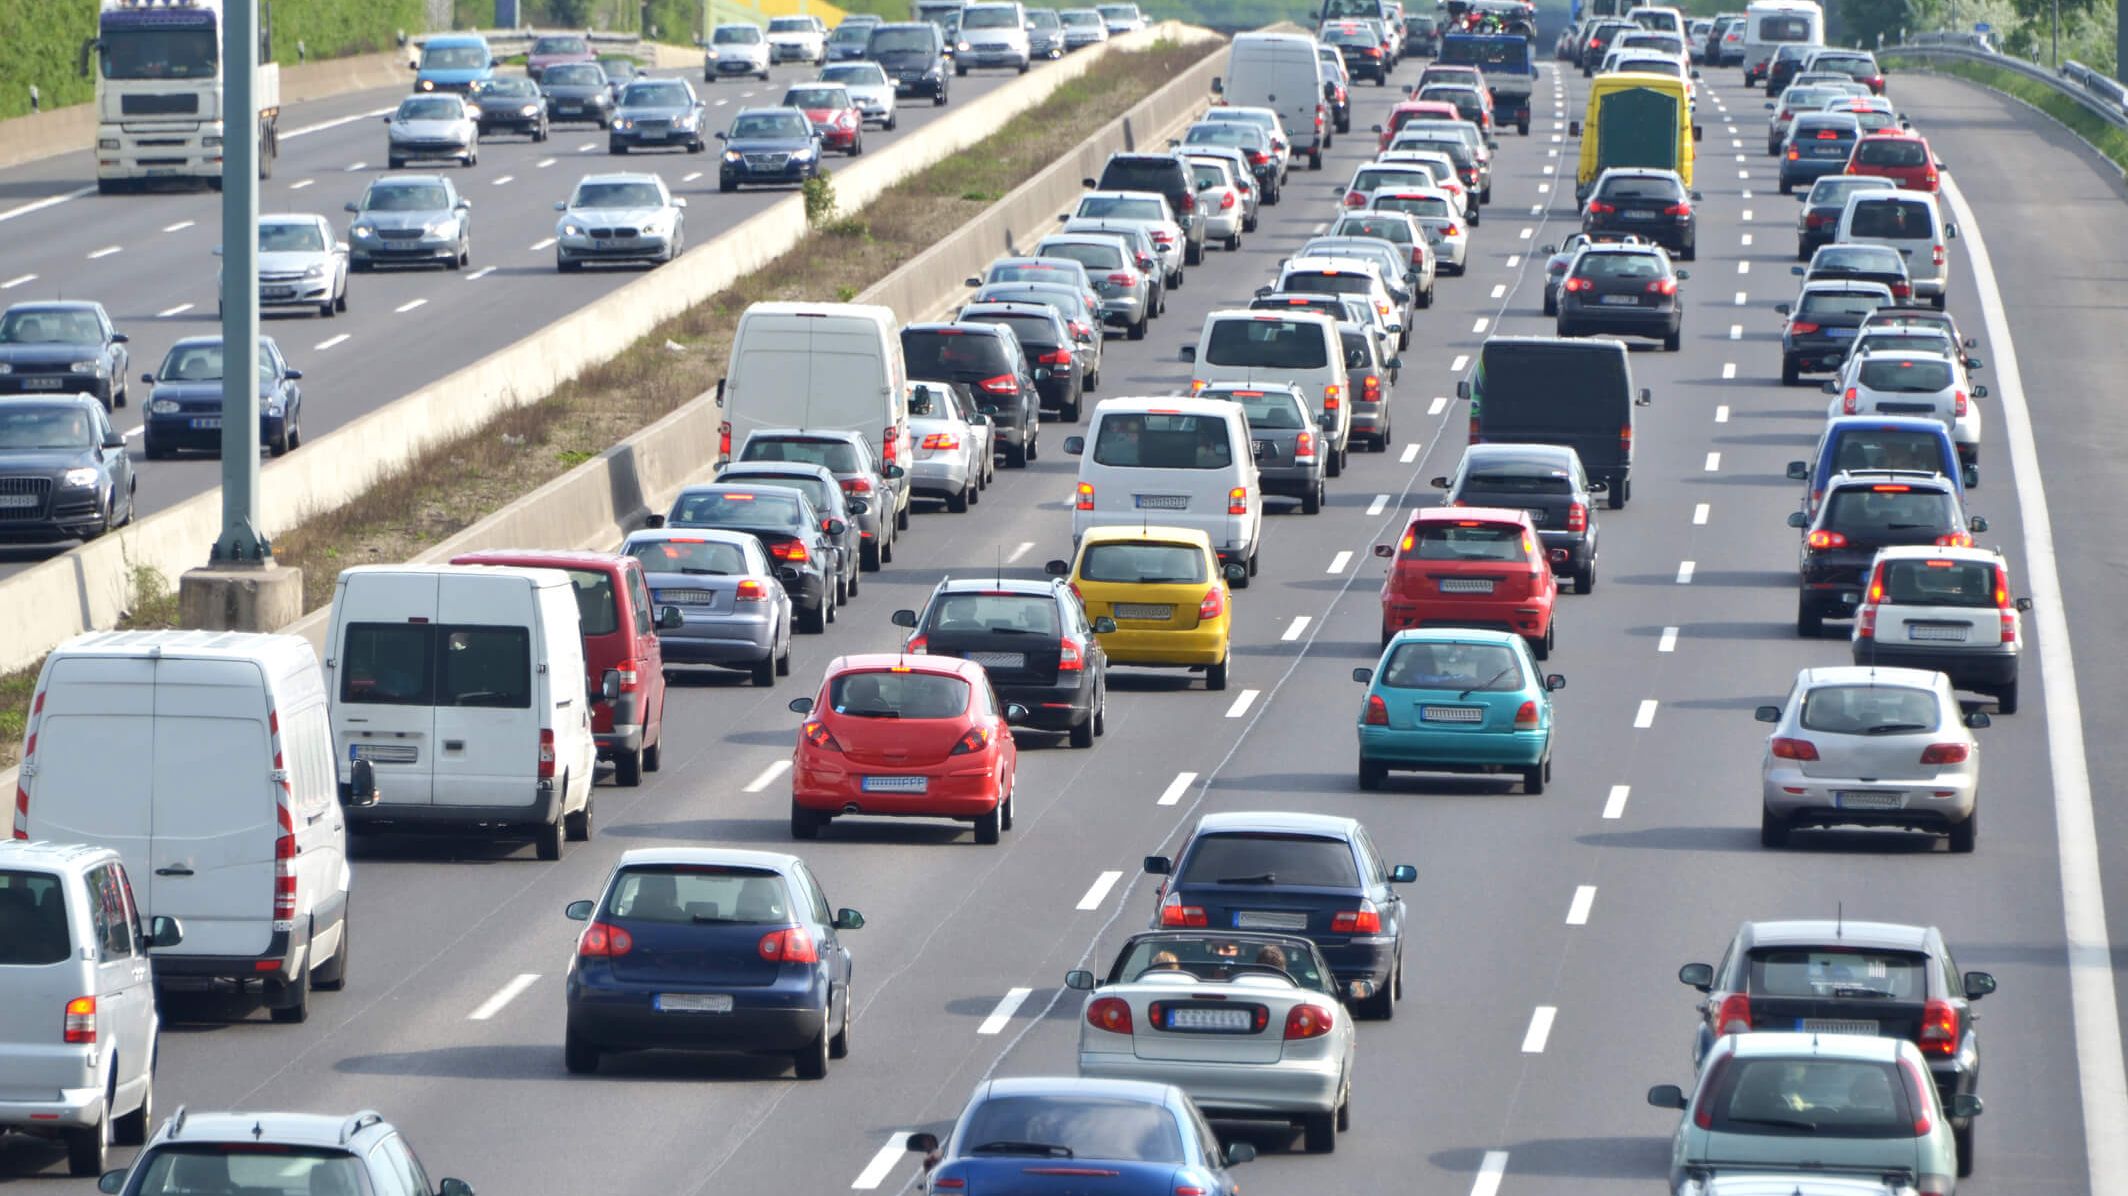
1278	71
77	1000
1911	222
1658	19
1770	24
205	759
463	688
1180	462
821	367
1298	348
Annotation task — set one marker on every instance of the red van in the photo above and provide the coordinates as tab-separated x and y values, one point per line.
621	634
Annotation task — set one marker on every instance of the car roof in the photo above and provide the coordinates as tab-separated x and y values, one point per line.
1427	515
410	178
621	176
1141	1091
667	535
779	861
1811	931
56	305
872	662
37	853
1780	1044
1228	822
1146	533
967	329
1977	554
1548	456
1042	587
1914	478
1863	674
776	468
1000	307
839	434
1846	286
62	402
287	1129
536	558
1455	635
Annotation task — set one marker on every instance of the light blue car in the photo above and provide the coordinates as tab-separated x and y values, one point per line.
1452	699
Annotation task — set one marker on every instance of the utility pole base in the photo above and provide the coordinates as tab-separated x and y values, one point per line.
240	598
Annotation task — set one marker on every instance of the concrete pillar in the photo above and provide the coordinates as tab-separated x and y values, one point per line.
256	597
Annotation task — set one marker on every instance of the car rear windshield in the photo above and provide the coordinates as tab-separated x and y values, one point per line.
1808	1097
1640	187
1869	709
1206	174
1350	35
1032	614
1841	306
1328	282
1437	207
1164	441
1541	386
1456	148
1121	207
1900	341
1144	564
1261	342
219	1170
1891	152
1224	132
1834	192
1214	957
428	664
1618	265
1162	175
902	41
1784	29
1093	257
1271	410
737	509
947	352
595	600
1892	219
1477	668
1876	259
835	456
33	919
821	494
1882	510
1486	51
879	693
1032	330
702	558
1265	858
1520	482
1396	231
1837	972
1940	582
1466	540
1906	377
1888	448
698	894
1067	1127
1652	66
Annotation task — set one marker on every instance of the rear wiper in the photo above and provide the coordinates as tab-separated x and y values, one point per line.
1013	1146
1856	990
1485	684
1904	527
705	573
1781	1122
1892	728
1261	878
870	713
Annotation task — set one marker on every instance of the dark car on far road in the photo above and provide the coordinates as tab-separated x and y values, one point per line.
1818	144
768	146
557	49
988	358
1167	175
578	91
63	347
1547	481
64	472
914	55
825	492
184	409
1033	639
657	114
1628	290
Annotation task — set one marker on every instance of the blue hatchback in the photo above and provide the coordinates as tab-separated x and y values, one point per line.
1061	1135
1457	700
710	950
184	408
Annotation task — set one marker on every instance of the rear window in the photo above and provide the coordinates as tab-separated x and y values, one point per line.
1266	409
427	664
1034	614
1618	265
815	491
1520	483
595	607
884	694
1119	207
944	354
1265	343
698	557
1466	540
1892	219
1070	1127
1093	257
1835	191
1869	709
1205	174
1837	304
1939	583
695	894
1893	448
1826	1098
1164	441
1214	957
211	1170
387	664
1395	231
1267	859
1784	29
1144	564
1906	377
835	456
1881	510
1417	205
1537	386
1641	187
484	666
1032	330
1160	176
33	920
1328	282
1898	152
736	509
1836	972
1478	668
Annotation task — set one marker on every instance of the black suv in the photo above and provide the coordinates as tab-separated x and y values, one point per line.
1546	480
989	360
1045	337
1035	641
1822	323
914	55
1622	290
1161	174
1650	203
1862	512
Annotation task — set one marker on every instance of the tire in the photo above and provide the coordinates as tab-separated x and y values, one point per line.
1192	255
1672	340
939	100
1311	503
1372	774
1787	188
547	840
890	122
1005	812
806	823
2006	699
133	1128
1585	578
1215	677
857	147
296	1010
1380	1007
577	827
1015	457
615	147
1809	621
868	557
1335	466
839	1045
1621	491
1542	649
1344	1107
1319	1132
1233	243
1533	778
901	519
332	977
628	769
1773	829
1082	733
1964	834
578	1055
783	662
393	163
1963	1137
654	753
764	673
1690	251
1551	305
815	621
990	827
1315	156
1136	331
810	1062
89	1148
1790	375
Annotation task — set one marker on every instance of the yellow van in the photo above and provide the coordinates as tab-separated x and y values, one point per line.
1635	119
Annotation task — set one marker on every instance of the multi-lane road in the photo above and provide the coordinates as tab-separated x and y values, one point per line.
1541	992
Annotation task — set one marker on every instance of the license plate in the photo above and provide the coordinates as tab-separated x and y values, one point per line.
603	243
1162	502
1217	1021
654	134
277	293
694	1002
1868	799
1840	334
1619	300
897	784
162	172
1267	919
1636	215
43	383
1834	1025
1466	585
1143	610
1830	151
1940	632
1452	714
14	501
207	422
999	660
1266	448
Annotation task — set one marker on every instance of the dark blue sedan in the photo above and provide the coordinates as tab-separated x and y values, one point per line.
184	408
1065	1135
701	949
768	145
1307	874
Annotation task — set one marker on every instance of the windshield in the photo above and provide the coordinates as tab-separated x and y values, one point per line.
735	35
767	126
1618	265
44	429
988	18
453	58
1042	18
406	197
1468	540
790	25
1211	957
856	74
1906	376
698	895
655	95
1071	1127
1270	410
291	238
1145	564
1652	66
816	97
736	509
210	1170
1415	205
560	45
203	363
1266	342
1940	582
1035	331
616	195
1080	16
1879	511
702	558
902	41
1891	448
1255	857
836	456
574	74
49	328
192	53
1480	668
1034	614
513	88
881	693
821	493
1552	482
431	108
1164	441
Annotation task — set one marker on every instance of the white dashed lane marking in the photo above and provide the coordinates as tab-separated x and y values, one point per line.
1338	562
1614	806
1176	788
1577	911
1540	1029
882	1164
1700	511
1684	578
1099	892
1668	642
767	776
1001	1016
1296	627
1242	701
1645	717
508	993
329	342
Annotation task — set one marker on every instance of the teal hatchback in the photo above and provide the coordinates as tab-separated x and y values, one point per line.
1445	699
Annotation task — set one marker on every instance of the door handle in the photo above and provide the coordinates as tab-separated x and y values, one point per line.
174	870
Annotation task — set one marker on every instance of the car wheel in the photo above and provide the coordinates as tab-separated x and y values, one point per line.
1773	829
577	826
764	671
1233	243
1621	492
1215	677
615	147
278	444
810	1062
958	501
89	1146
1542	649
2006	699
1671	340
396	163
1372	774
1136	331
578	1054
1551	305
628	769
1248	224
839	1046
547	840
1380	1007
1809	620
1082	733
889	124
939	100
1335	466
857	147
1311	503
1534	776
1791	374
1964	834
1585	578
1192	253
1015	457
989	827
814	621
294	1007
1962	1135
1319	1131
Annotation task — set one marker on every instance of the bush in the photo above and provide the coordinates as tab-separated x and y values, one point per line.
819	194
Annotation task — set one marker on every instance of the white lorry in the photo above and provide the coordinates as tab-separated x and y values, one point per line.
159	100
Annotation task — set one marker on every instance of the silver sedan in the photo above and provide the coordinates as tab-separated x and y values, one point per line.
432	127
720	600
619	217
952	443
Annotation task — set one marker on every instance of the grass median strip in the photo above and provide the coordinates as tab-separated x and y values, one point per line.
2104	136
454	485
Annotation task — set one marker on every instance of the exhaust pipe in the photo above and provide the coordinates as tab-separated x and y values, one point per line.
850	807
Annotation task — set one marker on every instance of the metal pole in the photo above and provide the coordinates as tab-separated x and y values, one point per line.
2120	41
2057	35
240	541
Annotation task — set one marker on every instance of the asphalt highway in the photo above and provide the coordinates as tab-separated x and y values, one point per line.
1540	975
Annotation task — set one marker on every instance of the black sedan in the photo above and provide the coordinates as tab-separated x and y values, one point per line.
64	473
512	104
1050	345
657	114
1626	290
1546	480
577	91
185	403
785	522
1035	641
62	348
1821	325
768	146
820	488
1651	203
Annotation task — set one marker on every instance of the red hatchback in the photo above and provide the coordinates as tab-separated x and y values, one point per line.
1411	110
833	114
620	636
1897	155
904	736
1470	567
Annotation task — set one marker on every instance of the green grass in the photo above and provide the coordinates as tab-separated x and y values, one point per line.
2104	136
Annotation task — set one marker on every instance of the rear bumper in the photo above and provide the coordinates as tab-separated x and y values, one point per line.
1640	321
940	477
950	794
71	1108
1194	647
764	1019
1287	1087
1453	751
1532	619
543	808
736	639
1052	707
1966	669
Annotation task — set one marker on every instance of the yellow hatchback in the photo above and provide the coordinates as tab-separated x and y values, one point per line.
1166	591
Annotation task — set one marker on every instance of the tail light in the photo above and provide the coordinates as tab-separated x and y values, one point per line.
1955	540
919	645
1355	199
1577	517
1526	718
1902	290
1377	712
1475	436
1071	656
857	485
1259	158
1373	51
603	940
1163	239
1679	210
1945	753
1364	920
724	441
1081	330
1816	220
789	550
942	441
1330	393
2009	610
1453	230
1577	285
546	760
1213	605
1938	254
1960	405
1625	441
751	591
631	674
1226	200
1824	135
1599	208
1804	327
1821	540
1112	1014
792	944
1174	913
1418	254
1917	1098
1003	384
1055	357
1663	286
1866	622
1371	389
1734	1017
890	444
81	1020
1308	1021
1145	263
1876	83
1939	1029
1929	179
1304	446
974	740
1086	496
1794	749
284	844
1849	401
1238	501
1123	278
1794	154
1189	202
817	734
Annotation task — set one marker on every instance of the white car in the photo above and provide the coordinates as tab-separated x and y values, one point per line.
1370	177
735	52
868	85
1443	169
426	128
1122	18
1920	383
619	218
1867	746
1353	276
302	263
993	35
1434	210
953	457
1945	609
1222	197
797	39
1249	1024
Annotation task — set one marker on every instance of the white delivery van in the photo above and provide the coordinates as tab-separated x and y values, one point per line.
205	759
1298	348
820	367
1911	222
1278	71
463	687
1770	24
1176	462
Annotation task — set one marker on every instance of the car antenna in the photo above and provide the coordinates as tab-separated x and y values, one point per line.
1001	566
1839	919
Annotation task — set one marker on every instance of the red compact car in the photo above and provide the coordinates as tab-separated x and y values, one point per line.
833	114
1470	567
904	736
1414	110
1898	155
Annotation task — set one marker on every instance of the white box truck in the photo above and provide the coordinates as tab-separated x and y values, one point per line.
159	100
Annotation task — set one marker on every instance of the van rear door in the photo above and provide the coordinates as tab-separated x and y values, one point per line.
384	678
39	967
94	760
1538	394
487	711
215	807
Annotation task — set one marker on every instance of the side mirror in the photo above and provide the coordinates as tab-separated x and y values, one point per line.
653	520
1089	184
1697	197
857	506
1697	975
217	251
1015	714
120	338
1219	85
848	919
350	207
1684	275
1374	128
115	440
1974	363
1363	675
1769	105
1767	714
1080	979
1798	520
670	618
903	618
361	784
166	931
1573	128
560	206
610	685
1548	249
972	282
1951	231
1103	624
1667	1096
1057	568
800	705
923	1143
1074	445
1965	1104
454	1187
679	201
1403	874
1386	551
1189	353
1978	523
1980	392
834	527
464	205
1978	985
1798	471
1645	397
894	473
1238	1153
386	119
1554	682
2022	604
112	1182
721	137
1396	364
1463	389
1158	865
1235	574
579	911
1798	271
1979	720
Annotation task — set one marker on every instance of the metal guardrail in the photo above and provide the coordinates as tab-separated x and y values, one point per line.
508	43
2103	97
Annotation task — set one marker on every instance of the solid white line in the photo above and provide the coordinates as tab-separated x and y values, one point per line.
767	776
1456	365
1721	414
1439	404
329	342
48	201
479	274
1001	1016
1410	454
17	281
1293	629
1645	717
1540	1028
543	246
1338	562
299	184
1490	1171
1176	788
334	123
1577	912
106	251
1700	513
1741	299
1479	324
1685	570
179	310
1381	502
1099	892
1019	552
497	182
410	305
876	1171
2093	1003
1242	701
509	992
1668	642
1499	289
1728	370
1614	806
1736	332
179	227
1714	463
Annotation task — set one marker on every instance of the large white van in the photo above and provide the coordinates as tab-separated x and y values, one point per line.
1911	222
205	759
1298	348
1179	462
463	687
1278	71
821	367
1770	24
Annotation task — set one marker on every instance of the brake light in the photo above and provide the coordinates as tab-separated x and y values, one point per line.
1804	327
1795	154
1213	605
1825	135
1308	1021
942	441
724	441
1189	202
1124	278
1945	753
1939	255
1174	913
890	444
1377	712
284	846
1364	920
1577	284
1526	718
1794	749
1371	389
857	485
1226	200
751	591
1849	401
1901	290
1663	286
1071	656
1866	619
1954	540
1112	1014
1304	446
1330	393
81	1020
1238	501
1679	210
1355	199
1003	384
789	550
1939	1029
1577	517
546	762
792	944
1625	440
974	740
1821	540
1599	208
918	646
603	940
817	734
1453	230
1816	220
1961	402
1259	158
1086	496
1080	329
1373	51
